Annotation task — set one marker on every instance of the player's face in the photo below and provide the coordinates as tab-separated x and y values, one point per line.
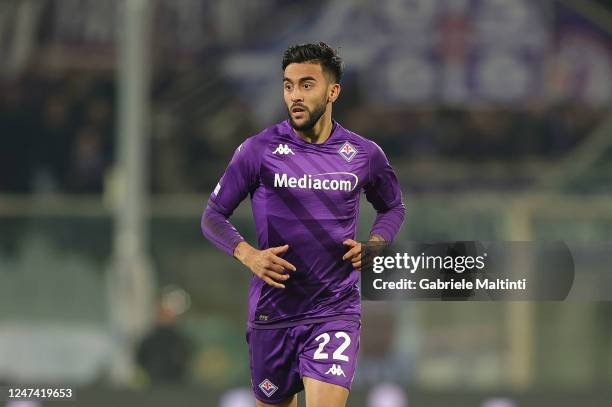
307	93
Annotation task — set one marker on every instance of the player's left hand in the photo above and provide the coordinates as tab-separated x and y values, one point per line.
354	254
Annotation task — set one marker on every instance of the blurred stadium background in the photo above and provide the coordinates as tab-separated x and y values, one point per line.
117	117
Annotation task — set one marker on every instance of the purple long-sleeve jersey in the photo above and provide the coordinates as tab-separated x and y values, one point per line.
307	196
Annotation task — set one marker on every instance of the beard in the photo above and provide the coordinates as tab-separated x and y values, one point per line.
313	117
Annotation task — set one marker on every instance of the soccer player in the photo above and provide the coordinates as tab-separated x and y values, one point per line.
304	176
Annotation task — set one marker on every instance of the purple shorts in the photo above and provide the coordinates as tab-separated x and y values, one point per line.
280	358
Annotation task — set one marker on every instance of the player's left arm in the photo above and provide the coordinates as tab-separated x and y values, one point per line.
383	192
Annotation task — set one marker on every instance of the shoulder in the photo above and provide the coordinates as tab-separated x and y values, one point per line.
362	143
256	143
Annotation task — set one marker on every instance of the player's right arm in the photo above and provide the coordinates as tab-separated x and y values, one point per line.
265	264
240	178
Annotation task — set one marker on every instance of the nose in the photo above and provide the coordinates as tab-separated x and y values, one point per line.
296	96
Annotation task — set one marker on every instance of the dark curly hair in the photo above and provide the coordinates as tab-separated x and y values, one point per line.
315	52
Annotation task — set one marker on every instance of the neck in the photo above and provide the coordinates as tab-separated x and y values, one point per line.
321	130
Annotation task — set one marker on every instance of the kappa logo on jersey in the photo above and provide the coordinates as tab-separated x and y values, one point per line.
347	151
283	149
336	370
268	387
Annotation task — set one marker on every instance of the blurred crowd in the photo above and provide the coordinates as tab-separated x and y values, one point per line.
57	132
212	61
466	135
59	129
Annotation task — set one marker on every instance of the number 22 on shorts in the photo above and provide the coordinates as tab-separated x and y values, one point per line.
324	338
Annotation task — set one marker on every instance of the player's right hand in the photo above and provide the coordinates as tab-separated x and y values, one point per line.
266	264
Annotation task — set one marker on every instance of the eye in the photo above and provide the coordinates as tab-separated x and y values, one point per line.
287	86
308	86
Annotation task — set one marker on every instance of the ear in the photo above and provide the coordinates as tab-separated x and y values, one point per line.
334	92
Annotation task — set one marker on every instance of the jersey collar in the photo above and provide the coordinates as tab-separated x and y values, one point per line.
288	130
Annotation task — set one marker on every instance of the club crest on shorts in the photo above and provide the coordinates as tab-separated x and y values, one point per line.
347	151
268	387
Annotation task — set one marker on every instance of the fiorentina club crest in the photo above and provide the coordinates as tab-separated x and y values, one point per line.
268	387
347	151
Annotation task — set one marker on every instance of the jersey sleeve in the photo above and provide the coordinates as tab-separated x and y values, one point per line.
241	177
383	192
